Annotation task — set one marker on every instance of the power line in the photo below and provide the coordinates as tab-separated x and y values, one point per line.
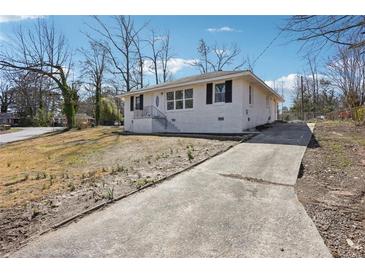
267	47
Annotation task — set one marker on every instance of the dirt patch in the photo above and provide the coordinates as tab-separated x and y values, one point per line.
331	186
47	180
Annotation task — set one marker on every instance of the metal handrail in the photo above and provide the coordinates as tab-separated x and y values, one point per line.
148	112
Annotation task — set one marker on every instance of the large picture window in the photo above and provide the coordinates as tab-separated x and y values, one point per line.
180	99
219	93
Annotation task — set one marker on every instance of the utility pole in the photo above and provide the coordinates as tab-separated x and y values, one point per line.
282	95
302	91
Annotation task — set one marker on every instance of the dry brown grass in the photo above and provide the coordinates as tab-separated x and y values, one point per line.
33	169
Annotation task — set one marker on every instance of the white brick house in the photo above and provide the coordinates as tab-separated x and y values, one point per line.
217	102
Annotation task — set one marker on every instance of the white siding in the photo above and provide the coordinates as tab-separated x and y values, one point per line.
203	118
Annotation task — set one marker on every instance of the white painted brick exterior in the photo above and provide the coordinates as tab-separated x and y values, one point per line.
203	118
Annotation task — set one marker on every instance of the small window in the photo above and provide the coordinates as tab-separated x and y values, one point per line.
170	105
219	93
179	99
179	104
188	98
250	95
138	102
170	100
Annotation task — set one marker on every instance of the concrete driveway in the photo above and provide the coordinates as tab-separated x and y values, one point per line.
26	133
239	204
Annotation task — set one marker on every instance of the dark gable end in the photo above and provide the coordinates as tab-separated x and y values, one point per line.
209	98
228	93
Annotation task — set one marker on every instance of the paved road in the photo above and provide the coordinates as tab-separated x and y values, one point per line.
239	204
26	133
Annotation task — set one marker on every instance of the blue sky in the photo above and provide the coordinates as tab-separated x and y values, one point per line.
251	33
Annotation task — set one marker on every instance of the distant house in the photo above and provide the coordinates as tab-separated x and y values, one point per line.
9	118
216	102
84	118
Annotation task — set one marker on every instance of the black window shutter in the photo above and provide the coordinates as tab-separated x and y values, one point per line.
209	93
132	103
141	101
228	93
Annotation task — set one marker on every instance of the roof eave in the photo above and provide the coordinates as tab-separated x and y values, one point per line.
136	92
236	75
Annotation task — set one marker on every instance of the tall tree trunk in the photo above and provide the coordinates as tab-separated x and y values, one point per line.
4	108
70	104
97	103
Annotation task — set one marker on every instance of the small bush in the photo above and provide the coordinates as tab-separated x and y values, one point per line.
358	114
190	155
109	195
71	186
141	182
43	118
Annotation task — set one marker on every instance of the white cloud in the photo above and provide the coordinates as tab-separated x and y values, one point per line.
12	18
285	86
223	29
174	65
288	82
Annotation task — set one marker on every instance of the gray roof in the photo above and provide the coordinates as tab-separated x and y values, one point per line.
200	77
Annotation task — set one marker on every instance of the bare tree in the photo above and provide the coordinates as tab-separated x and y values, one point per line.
225	56
347	72
217	57
42	51
322	30
160	56
203	52
139	70
320	101
165	57
153	43
94	66
313	81
6	94
119	41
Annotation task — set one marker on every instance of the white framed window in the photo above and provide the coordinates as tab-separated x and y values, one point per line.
250	95
219	93
180	99
138	103
170	99
188	98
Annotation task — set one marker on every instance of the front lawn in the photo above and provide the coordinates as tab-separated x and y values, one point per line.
47	179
